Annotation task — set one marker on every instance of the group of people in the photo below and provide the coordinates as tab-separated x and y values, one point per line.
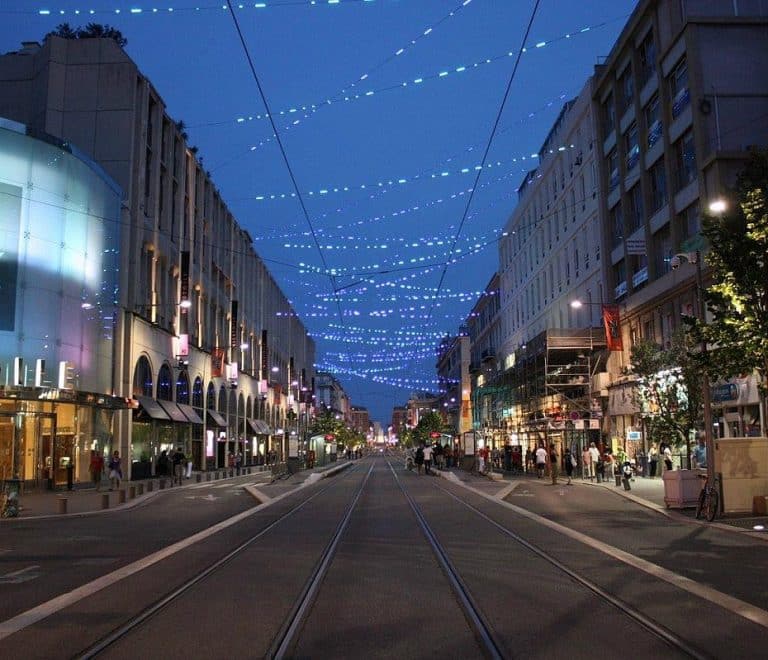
114	469
425	456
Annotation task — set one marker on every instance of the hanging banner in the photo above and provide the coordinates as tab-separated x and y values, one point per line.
612	324
217	363
234	339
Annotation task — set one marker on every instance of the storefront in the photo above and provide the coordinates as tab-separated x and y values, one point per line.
46	440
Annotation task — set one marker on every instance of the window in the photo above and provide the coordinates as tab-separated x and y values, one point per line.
662	251
647	58
678	88
689	222
609	115
617	225
658	178
636	217
627	84
653	122
612	160
620	277
631	146
685	153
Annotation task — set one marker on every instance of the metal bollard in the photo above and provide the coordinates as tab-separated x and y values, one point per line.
207	476
141	489
62	504
131	492
105	501
121	496
162	484
199	477
150	486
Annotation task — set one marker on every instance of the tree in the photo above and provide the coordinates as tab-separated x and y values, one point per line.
668	391
429	423
737	299
90	31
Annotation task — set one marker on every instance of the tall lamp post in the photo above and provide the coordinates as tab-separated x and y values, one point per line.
706	394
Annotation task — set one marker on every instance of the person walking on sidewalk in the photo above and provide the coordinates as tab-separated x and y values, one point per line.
594	455
179	462
115	470
541	461
427	459
653	460
96	468
587	467
554	463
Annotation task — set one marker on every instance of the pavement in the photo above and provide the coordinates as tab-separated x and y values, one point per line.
83	500
647	492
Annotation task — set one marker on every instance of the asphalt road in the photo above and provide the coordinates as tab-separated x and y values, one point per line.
384	594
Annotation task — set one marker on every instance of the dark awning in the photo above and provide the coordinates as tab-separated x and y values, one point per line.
173	411
152	408
190	413
217	418
259	426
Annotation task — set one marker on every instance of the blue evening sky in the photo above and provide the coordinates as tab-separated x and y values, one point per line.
386	243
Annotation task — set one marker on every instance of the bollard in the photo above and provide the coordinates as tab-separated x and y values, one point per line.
121	496
131	492
199	477
150	486
105	501
162	484
141	489
207	476
62	504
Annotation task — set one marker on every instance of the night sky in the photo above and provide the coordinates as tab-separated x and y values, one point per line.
385	176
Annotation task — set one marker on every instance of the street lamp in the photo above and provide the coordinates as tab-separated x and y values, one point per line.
706	396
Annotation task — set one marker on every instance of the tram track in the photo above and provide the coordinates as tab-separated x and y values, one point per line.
470	593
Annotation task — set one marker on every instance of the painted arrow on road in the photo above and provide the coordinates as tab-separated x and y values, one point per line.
23	575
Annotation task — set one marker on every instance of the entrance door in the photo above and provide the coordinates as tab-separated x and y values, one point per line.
46	450
8	460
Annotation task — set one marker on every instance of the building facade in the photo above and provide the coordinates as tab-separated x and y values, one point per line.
453	360
208	348
680	100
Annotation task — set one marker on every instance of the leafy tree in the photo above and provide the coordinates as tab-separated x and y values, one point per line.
737	299
429	423
90	31
669	384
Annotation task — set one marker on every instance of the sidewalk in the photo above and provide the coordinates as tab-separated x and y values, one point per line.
45	503
649	492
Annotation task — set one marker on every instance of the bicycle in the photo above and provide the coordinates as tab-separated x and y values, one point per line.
709	499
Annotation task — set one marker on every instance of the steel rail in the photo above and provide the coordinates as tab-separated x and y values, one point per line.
284	640
472	611
654	627
147	613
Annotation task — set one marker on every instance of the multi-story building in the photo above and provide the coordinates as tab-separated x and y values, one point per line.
681	98
399	420
207	345
360	420
330	396
549	259
452	366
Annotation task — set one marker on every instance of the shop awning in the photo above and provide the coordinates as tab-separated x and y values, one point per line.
217	419
173	411
152	408
190	413
259	426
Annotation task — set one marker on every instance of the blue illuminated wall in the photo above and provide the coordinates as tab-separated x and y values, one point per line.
59	258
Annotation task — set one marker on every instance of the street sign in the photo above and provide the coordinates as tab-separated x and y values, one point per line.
635	246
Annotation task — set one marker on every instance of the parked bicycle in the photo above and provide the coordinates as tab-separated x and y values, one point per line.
709	498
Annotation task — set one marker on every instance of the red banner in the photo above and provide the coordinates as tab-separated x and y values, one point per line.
217	363
612	324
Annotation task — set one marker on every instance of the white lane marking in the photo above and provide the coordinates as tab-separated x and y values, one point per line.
208	498
44	610
730	603
22	575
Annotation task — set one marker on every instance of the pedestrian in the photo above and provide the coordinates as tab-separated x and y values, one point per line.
554	463
594	454
700	452
96	468
541	461
439	456
570	464
667	454
238	461
419	458
115	470
587	466
528	460
427	459
653	460
179	463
